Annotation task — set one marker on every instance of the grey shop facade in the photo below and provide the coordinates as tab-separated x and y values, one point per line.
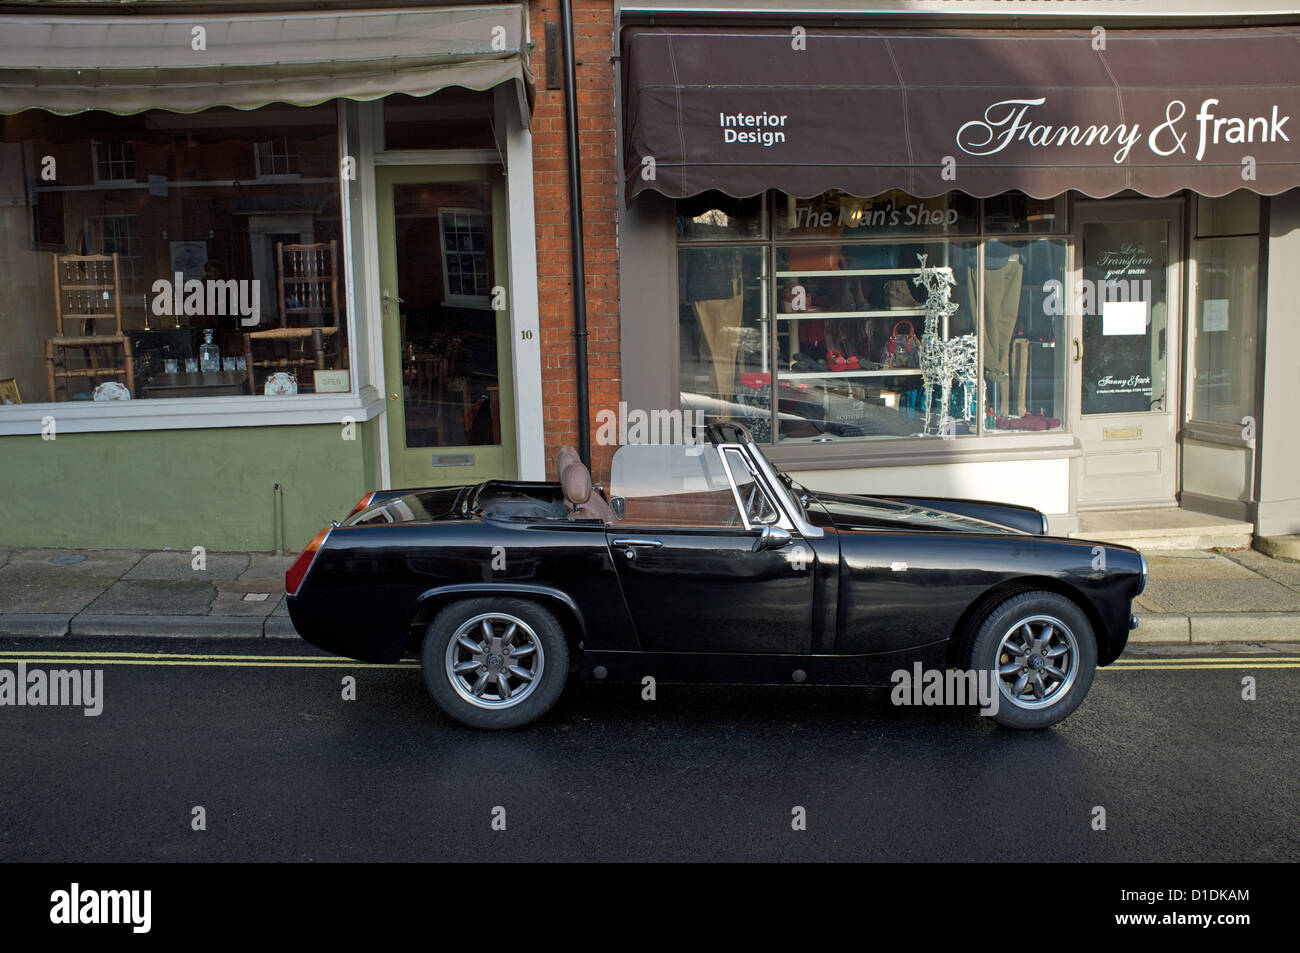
1116	223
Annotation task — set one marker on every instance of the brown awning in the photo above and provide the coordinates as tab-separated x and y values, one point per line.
980	111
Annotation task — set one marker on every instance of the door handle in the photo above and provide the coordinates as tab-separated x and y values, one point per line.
630	546
390	298
1078	351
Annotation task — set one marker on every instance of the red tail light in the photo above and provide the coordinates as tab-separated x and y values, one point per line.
365	501
298	571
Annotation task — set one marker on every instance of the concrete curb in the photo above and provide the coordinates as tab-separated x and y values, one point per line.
204	626
1215	627
33	624
1246	627
1161	627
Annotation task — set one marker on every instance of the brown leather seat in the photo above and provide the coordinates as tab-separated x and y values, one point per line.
582	501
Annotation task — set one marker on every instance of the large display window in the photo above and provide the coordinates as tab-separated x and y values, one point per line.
805	318
164	255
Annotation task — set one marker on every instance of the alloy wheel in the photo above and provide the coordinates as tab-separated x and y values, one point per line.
1038	661
494	660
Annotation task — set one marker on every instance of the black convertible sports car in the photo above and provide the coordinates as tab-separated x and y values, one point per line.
705	564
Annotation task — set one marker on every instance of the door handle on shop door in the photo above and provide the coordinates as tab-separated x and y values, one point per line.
1078	351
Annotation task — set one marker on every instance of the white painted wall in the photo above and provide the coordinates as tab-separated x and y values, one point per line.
1042	484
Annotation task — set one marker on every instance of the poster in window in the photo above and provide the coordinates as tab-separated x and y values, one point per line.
1123	290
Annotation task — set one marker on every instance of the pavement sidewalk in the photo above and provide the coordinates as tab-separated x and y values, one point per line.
1196	597
121	592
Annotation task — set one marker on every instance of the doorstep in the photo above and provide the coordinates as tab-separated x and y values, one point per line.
1163	530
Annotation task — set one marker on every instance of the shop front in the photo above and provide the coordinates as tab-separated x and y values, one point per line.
253	265
1104	221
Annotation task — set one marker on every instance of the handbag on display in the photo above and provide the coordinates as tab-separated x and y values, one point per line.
902	349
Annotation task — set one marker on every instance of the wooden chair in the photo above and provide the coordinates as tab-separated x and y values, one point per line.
308	295
86	290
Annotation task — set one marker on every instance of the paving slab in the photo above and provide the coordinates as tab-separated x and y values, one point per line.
166	626
263	566
180	566
4	557
230	601
1279	570
154	597
112	563
1222	595
39	624
1195	565
48	589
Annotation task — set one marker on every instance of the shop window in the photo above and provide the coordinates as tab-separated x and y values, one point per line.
1224	315
169	257
820	330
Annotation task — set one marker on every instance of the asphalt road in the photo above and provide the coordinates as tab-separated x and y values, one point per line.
286	769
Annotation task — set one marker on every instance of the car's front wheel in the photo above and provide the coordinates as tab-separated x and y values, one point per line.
1043	653
495	663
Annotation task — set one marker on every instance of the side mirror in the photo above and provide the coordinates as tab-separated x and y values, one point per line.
619	505
772	537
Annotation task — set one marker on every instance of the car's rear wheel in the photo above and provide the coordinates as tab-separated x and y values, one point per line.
1042	649
495	663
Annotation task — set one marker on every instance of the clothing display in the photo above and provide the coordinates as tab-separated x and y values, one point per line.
712	283
1003	274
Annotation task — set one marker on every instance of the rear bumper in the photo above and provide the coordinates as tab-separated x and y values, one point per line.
341	634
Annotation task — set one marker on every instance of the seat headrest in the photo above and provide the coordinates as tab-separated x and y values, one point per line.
576	483
566	456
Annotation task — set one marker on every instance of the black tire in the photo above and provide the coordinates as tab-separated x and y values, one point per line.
1050	700
535	625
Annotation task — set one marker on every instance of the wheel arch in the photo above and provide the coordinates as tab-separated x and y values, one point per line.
981	608
433	601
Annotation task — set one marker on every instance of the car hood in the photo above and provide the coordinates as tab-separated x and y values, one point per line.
934	514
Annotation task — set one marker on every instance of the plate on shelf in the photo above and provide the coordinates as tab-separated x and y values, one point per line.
111	390
280	384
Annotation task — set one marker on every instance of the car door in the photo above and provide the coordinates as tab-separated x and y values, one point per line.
699	571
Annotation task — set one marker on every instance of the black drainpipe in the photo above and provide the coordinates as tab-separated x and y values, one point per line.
575	229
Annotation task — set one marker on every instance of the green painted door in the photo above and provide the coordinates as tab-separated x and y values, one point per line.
447	347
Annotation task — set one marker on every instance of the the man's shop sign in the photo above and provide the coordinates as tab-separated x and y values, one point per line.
1013	121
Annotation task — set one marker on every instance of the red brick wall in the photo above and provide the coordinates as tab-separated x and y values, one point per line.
593	27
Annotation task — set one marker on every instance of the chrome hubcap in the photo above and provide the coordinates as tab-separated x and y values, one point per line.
1038	660
494	660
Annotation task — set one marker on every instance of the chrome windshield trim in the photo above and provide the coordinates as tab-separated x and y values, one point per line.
769	476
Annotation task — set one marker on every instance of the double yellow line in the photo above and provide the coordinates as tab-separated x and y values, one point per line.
1188	663
1203	663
